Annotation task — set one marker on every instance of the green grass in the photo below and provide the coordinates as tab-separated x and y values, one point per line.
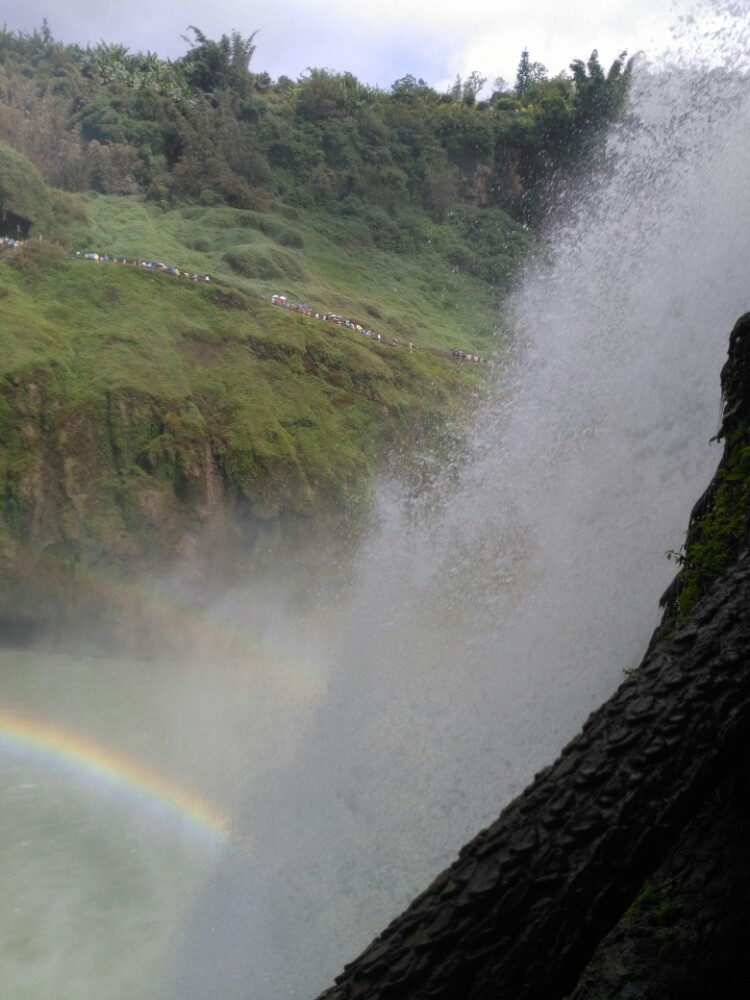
140	371
717	539
412	293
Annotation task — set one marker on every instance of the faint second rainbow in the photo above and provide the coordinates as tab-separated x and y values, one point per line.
56	744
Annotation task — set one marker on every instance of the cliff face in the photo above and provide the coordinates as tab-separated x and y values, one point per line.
622	871
76	508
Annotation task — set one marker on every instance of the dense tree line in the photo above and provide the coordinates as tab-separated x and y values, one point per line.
208	126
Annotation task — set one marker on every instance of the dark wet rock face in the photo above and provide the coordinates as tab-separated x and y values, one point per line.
631	847
685	935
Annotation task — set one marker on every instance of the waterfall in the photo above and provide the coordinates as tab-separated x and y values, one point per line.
492	613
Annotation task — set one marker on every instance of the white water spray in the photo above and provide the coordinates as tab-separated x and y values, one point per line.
492	616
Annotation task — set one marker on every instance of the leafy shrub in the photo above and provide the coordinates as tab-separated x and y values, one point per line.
284	235
383	228
35	256
22	190
350	205
68	207
237	191
264	263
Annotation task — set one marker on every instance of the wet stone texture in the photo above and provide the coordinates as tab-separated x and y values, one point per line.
639	829
685	936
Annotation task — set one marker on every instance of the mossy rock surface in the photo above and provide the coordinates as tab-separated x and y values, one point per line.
719	530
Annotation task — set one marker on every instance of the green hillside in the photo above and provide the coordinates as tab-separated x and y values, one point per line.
412	288
165	413
269	388
137	407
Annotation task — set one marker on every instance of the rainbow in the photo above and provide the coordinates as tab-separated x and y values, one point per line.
62	747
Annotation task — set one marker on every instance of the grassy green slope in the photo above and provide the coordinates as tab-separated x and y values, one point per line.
408	280
297	413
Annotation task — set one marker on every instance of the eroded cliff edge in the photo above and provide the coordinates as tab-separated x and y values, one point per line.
622	871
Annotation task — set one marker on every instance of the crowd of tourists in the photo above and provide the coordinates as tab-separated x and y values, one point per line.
151	265
7	242
463	356
365	331
280	300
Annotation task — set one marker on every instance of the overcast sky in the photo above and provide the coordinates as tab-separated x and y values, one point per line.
377	40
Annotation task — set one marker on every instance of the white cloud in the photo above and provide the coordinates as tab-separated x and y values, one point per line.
378	42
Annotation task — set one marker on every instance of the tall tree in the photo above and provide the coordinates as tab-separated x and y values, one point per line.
523	74
527	74
218	66
599	96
